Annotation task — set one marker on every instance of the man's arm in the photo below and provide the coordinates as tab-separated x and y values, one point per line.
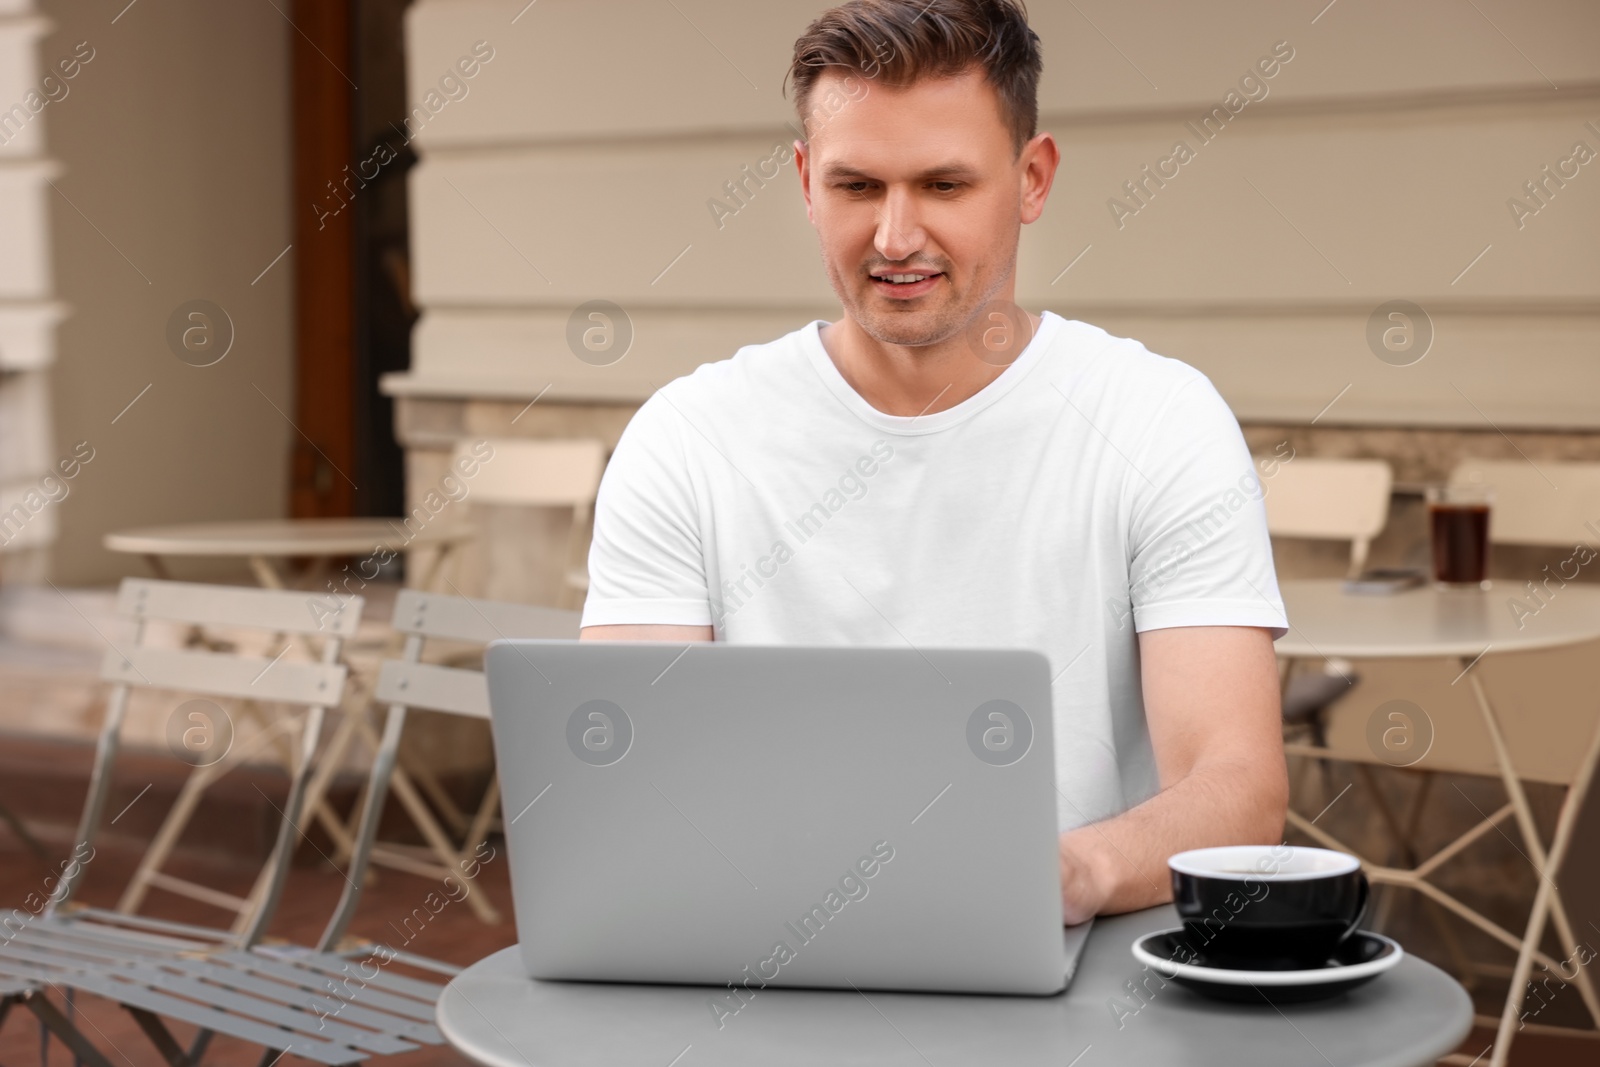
645	632
1212	702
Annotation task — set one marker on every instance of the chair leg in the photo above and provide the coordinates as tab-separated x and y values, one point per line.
486	813
276	870
352	833
269	1056
177	819
1396	831
442	846
331	759
1567	936
1547	899
1418	802
1446	932
311	802
201	1042
1520	974
369	812
94	804
52	1019
449	860
434	576
172	828
282	743
441	800
159	1036
291	828
72	1017
1544	862
11	820
1319	737
314	803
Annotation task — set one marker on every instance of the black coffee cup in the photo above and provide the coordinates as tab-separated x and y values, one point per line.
1267	907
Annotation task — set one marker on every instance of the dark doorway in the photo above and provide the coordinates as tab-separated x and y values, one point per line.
353	310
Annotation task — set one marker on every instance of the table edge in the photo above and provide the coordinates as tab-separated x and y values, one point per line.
1430	1052
139	542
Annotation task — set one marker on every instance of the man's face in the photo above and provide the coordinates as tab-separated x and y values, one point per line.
918	181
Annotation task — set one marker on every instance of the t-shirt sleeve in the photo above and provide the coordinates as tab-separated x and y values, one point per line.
646	564
1198	546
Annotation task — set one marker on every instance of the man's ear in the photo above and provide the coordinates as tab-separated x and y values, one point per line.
802	165
1040	158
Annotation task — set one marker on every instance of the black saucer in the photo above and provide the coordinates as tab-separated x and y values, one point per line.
1360	959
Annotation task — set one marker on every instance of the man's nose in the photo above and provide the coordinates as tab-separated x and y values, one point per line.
899	227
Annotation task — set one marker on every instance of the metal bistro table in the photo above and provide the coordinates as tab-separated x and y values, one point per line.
262	541
1461	627
493	1013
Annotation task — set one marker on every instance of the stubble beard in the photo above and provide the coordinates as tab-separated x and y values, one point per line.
930	325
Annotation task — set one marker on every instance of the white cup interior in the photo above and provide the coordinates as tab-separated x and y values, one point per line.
1278	863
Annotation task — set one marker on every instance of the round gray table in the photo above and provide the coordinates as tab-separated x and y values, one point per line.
1325	621
496	1015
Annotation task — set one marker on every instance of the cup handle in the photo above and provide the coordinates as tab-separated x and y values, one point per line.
1361	914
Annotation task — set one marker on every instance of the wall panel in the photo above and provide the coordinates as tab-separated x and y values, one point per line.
1378	167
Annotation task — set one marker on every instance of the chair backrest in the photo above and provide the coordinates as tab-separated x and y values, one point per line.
545	473
1329	499
407	683
457	690
316	686
223	674
1556	504
539	473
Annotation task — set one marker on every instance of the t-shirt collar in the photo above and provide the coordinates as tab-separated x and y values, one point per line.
910	425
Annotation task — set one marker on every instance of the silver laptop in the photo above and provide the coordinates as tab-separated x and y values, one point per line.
877	818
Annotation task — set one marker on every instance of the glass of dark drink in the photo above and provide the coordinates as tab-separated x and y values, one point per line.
1458	526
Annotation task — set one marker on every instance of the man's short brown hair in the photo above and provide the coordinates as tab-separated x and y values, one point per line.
900	41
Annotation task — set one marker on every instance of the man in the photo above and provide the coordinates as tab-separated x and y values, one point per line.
940	468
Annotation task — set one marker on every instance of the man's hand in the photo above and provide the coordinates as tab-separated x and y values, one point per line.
1212	704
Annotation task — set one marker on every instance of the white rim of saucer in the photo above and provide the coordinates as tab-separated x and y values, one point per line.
1219	976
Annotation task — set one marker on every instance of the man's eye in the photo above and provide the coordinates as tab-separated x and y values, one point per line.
946	187
853	187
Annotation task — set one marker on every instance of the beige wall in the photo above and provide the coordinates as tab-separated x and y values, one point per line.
174	148
1377	168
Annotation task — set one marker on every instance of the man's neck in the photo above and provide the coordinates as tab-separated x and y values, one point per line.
921	380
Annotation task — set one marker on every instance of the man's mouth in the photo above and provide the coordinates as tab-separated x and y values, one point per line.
906	284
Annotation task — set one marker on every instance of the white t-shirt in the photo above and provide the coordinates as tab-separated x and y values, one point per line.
1090	491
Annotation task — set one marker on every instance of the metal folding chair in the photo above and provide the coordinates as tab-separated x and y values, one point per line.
409	683
297	620
285	999
1329	499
